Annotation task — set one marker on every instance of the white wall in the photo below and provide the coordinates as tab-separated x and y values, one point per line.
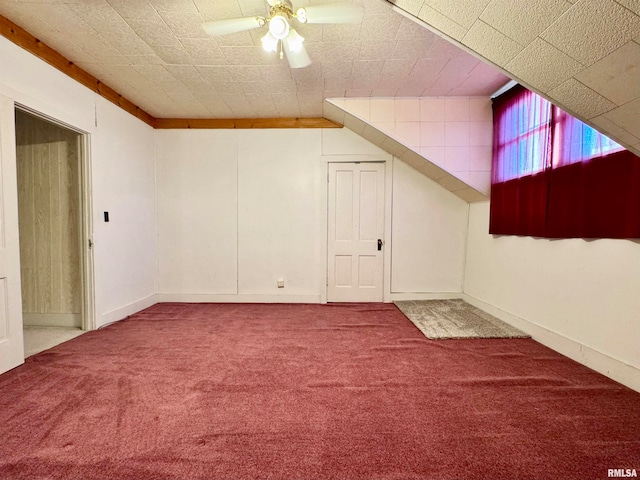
279	173
579	297
428	236
239	209
198	211
122	177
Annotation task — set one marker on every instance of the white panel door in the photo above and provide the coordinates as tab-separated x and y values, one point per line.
11	342
355	230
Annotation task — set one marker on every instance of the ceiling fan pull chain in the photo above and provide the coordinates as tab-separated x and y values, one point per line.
281	54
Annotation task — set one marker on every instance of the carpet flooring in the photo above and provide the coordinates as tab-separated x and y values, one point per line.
455	319
348	391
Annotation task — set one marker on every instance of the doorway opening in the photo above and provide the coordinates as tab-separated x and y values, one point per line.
54	230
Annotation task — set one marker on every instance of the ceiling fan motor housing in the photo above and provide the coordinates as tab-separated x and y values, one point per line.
283	8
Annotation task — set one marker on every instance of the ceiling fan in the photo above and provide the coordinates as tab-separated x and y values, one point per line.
282	36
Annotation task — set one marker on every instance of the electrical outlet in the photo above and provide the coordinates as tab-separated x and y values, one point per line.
280	283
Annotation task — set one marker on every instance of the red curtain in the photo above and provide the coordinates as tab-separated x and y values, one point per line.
579	184
522	143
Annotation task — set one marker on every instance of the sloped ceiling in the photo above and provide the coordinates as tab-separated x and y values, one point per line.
584	55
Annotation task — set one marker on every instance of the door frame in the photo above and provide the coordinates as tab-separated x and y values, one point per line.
387	159
86	216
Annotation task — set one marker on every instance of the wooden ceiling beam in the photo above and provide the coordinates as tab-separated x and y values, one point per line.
234	123
24	39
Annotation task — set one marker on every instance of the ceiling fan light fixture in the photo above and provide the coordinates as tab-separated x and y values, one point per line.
294	41
279	27
269	43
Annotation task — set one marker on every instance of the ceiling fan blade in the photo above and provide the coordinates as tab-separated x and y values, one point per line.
297	55
232	25
331	13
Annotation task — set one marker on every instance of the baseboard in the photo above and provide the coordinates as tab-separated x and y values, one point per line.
613	368
71	320
424	296
126	310
240	298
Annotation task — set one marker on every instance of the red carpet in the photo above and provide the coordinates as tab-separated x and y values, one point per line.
183	391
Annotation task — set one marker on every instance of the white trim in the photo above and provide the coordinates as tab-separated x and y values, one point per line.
73	320
86	234
504	89
126	310
240	298
388	218
85	205
600	362
425	296
357	158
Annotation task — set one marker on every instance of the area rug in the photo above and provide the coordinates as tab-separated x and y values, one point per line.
439	319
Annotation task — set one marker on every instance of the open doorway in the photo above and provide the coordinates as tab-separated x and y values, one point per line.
55	263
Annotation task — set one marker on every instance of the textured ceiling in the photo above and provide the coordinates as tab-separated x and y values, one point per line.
155	53
584	55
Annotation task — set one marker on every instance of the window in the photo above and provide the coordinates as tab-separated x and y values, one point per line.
575	141
553	176
524	134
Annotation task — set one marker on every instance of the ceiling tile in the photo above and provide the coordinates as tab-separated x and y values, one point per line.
173	6
248	56
287	86
140	10
261	88
184	25
411	6
441	22
340	32
591	29
156	51
203	51
544	66
480	109
491	43
627	116
482	80
573	96
286	104
462	12
367	68
456	109
610	76
173	54
381	28
633	5
622	135
523	21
